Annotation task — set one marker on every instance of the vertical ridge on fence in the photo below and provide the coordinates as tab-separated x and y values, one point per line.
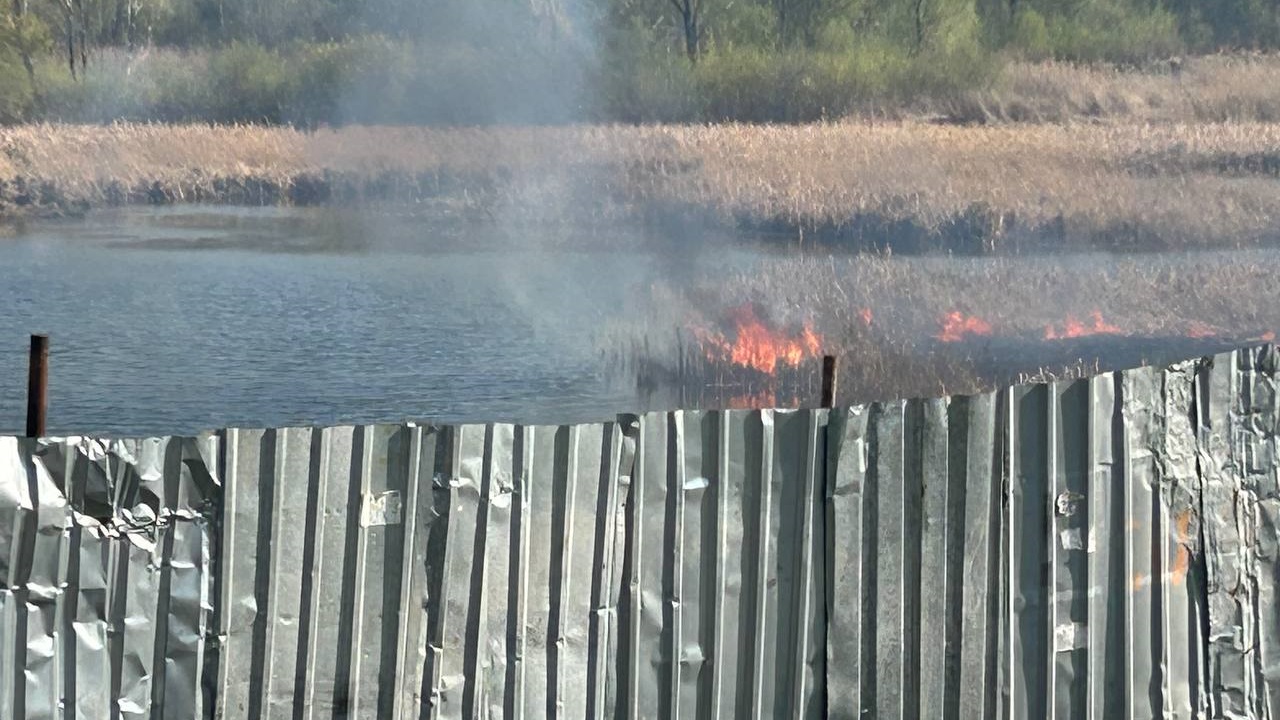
131	605
187	564
810	625
1236	400
13	501
35	576
292	459
72	485
1259	368
1181	582
890	544
409	700
1068	463
581	554
236	613
978	452
1256	420
534	585
59	597
732	648
847	470
518	600
463	577
1103	541
615	459
936	576
1027	515
441	701
763	578
325	567
1140	540
648	670
674	599
1228	587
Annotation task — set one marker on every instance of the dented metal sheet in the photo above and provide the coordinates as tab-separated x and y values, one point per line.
1097	548
105	584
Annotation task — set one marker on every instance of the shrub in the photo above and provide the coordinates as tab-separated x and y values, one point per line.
1105	31
248	82
18	98
364	79
753	84
835	37
1030	35
640	80
745	23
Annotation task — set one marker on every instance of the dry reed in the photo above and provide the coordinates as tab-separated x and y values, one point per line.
1119	186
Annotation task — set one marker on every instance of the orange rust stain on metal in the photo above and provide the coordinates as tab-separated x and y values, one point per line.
1182	560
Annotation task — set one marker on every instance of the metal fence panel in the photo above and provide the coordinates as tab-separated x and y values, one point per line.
105	597
1081	549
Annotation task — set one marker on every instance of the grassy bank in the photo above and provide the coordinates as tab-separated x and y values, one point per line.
909	186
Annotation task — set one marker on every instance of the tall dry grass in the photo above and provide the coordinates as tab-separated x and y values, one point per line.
883	316
1213	88
1118	186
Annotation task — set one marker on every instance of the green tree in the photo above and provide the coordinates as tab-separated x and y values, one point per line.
935	25
800	21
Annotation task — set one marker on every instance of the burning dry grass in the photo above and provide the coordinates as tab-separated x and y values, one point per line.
908	327
904	185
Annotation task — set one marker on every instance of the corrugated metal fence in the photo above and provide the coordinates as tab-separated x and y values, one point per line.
1096	548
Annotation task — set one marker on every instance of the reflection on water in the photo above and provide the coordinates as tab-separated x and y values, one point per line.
182	319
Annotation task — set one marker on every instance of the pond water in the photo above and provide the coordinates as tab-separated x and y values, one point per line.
181	319
177	320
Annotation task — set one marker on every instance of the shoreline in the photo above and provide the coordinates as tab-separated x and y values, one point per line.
907	187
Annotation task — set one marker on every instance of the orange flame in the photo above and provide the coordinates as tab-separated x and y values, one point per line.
1074	328
956	326
757	346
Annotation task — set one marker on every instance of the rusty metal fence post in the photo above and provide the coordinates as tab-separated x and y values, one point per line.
829	380
38	386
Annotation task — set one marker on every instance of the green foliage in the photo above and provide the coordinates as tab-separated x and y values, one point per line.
27	35
1030	35
744	23
643	81
28	32
836	36
16	97
760	85
350	81
311	62
255	77
1110	31
1214	24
